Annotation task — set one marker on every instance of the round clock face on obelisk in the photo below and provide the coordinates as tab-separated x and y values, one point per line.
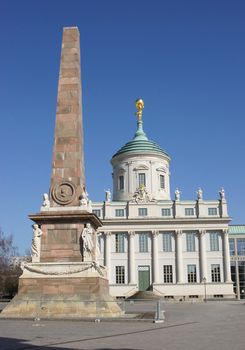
64	193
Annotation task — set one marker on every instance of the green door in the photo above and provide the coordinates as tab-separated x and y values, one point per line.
144	277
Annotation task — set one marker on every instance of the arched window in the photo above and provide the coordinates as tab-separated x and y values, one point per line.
162	181
121	182
142	180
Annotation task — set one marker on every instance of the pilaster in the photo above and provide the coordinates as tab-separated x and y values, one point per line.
202	255
131	258
107	235
226	255
179	256
155	262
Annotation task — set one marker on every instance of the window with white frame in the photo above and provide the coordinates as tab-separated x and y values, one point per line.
212	211
232	246
97	212
121	182
214	241
120	274
119	212
190	242
166	212
143	242
162	181
191	273
167	241
167	273
189	211
215	273
142	211
142	179
119	242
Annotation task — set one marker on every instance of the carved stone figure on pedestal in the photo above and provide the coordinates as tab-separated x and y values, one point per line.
199	194
142	196
177	194
46	201
87	242
83	200
36	243
222	193
108	196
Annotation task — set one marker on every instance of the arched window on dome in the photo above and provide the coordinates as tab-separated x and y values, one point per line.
162	181
121	182
142	179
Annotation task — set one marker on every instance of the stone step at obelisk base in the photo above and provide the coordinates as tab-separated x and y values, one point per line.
64	279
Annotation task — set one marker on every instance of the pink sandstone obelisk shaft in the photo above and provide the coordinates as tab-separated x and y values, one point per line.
67	178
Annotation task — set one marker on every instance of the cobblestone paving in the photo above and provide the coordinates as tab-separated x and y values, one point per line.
199	326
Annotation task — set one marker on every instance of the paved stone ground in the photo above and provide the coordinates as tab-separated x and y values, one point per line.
199	326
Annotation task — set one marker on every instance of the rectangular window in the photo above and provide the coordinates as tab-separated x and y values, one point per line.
212	211
215	272
142	211
167	242
167	273
119	239
119	212
214	241
190	242
166	212
121	182
142	179
162	182
143	242
232	246
97	212
120	274
240	246
189	211
192	273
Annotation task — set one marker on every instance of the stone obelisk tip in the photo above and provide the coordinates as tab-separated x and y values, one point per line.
68	179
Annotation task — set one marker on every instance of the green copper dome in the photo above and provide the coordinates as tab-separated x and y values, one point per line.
141	144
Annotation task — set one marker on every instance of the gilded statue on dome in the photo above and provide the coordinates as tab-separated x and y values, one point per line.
139	106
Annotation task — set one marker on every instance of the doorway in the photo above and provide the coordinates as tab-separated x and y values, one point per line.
144	277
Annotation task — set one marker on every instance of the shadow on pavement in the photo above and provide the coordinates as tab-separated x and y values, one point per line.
21	344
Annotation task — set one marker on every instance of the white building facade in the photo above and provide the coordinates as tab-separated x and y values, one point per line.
177	248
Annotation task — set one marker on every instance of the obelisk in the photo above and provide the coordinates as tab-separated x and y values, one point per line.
64	279
67	178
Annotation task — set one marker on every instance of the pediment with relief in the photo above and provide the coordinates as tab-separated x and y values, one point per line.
141	167
162	169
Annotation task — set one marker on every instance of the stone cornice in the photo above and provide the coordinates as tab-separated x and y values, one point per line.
65	216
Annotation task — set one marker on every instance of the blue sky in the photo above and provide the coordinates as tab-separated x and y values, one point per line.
184	58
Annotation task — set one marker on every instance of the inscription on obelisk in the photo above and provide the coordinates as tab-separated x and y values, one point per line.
67	178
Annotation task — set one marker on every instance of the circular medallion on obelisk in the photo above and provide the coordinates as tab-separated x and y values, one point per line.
64	193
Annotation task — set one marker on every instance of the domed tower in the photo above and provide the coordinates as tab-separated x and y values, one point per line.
140	165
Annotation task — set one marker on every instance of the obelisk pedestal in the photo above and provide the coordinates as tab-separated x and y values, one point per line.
64	279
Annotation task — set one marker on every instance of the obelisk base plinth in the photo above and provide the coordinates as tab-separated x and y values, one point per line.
62	291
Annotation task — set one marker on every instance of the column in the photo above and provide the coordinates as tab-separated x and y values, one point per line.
155	260
226	252
202	255
131	258
107	258
237	281
179	256
237	272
